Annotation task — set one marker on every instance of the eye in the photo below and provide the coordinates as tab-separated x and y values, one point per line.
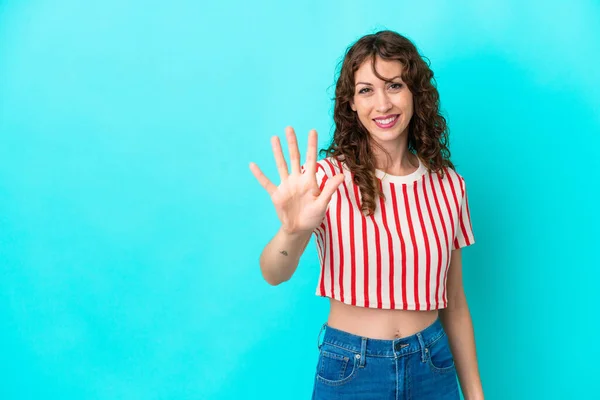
396	85
363	90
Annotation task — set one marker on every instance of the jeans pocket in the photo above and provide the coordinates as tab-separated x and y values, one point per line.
440	357
336	365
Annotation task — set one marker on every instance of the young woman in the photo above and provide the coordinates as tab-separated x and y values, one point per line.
390	216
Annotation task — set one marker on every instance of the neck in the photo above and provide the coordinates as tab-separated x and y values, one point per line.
402	162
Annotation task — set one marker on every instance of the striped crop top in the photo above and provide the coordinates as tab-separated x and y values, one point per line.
399	257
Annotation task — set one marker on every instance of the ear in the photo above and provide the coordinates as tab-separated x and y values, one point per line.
352	106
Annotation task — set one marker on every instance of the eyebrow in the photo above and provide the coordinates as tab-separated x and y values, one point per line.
370	84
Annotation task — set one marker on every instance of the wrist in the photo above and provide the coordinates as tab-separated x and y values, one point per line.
294	234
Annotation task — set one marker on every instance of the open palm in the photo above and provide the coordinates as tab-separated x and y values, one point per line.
298	201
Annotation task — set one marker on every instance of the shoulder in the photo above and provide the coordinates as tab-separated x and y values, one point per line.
451	179
330	166
450	174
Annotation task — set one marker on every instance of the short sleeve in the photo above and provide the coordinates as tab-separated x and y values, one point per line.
464	231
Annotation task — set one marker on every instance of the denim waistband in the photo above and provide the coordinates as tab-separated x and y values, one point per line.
382	347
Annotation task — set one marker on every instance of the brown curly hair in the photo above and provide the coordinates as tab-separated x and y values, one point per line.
427	129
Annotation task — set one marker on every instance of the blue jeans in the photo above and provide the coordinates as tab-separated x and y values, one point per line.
418	367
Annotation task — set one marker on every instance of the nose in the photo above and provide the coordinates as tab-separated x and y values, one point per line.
383	102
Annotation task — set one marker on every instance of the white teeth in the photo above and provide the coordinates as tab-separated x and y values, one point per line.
385	121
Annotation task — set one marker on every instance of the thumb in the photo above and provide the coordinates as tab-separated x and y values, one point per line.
330	188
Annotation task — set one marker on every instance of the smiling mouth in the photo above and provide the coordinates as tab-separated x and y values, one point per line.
387	122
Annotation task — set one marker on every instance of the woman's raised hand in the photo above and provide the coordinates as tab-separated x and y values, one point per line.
299	203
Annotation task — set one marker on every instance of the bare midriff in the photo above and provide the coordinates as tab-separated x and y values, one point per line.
377	323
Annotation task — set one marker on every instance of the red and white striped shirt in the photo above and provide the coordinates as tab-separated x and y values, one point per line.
399	257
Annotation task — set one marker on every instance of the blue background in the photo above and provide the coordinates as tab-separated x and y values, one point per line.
131	225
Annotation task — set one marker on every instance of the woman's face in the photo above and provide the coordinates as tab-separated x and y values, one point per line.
384	108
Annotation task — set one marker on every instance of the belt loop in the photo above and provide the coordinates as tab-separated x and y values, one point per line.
319	344
423	348
363	352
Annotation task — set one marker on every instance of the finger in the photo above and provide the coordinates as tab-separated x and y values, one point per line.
262	179
282	166
293	149
329	189
311	154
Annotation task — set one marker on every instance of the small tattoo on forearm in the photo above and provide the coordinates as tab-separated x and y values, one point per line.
285	253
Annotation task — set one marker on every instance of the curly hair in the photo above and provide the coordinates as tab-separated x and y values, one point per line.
427	129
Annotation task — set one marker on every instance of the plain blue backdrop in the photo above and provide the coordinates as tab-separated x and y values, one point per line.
131	225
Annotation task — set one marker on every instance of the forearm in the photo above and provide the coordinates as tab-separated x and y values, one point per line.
459	327
281	255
